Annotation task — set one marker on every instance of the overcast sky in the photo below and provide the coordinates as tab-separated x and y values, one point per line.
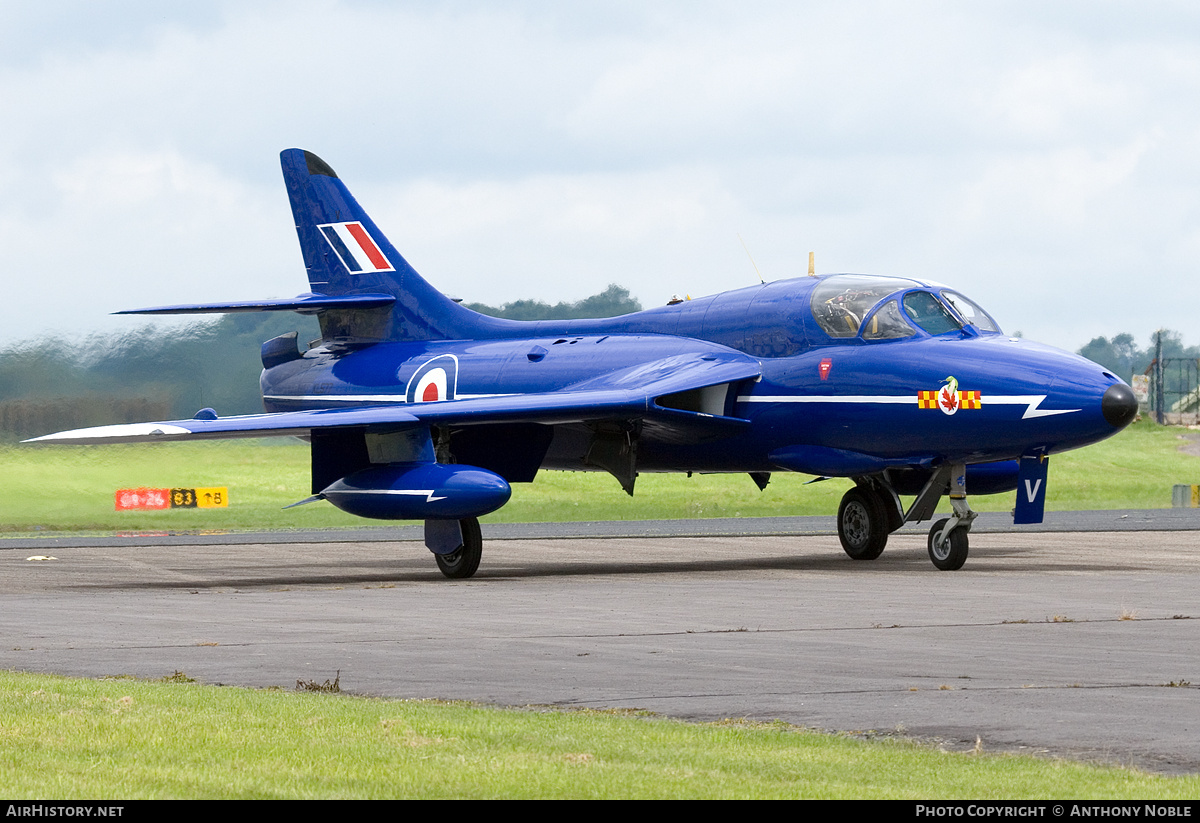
1043	157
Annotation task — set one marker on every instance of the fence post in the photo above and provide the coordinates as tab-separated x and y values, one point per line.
1158	378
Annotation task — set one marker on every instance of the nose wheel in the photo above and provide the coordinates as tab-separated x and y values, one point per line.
948	538
947	547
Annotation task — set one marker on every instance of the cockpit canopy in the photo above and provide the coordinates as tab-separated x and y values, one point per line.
878	308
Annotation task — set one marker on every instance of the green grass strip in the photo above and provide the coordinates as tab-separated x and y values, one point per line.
121	738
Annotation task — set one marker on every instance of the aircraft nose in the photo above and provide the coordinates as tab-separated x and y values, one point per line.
1118	405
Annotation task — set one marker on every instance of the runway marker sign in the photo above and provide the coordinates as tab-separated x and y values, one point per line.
216	497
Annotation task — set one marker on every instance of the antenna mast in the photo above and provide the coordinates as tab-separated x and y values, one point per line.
752	263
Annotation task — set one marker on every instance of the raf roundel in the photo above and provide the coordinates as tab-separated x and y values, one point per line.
435	379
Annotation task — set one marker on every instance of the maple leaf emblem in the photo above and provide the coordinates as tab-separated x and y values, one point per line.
948	396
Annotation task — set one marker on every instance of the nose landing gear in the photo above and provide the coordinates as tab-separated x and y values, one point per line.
947	547
948	543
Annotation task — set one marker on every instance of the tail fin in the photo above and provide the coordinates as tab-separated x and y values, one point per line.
346	254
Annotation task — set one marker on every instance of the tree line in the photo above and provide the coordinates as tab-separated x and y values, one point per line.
159	373
611	302
156	373
1122	357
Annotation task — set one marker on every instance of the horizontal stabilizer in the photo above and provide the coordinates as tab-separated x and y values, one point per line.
304	304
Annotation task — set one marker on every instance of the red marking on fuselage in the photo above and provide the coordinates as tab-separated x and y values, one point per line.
430	394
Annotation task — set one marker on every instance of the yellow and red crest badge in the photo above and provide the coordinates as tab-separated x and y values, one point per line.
949	398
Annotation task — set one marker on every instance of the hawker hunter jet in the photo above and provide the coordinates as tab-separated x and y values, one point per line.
420	409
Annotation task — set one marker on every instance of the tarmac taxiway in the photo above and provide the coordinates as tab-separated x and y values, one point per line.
1081	643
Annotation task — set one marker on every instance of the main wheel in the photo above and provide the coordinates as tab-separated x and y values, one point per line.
463	561
862	524
947	552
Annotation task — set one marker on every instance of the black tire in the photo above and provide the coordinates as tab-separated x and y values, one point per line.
463	561
950	556
862	524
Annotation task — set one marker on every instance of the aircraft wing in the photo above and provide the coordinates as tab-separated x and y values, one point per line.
628	394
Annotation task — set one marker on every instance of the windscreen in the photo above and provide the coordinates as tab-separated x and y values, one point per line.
969	310
929	313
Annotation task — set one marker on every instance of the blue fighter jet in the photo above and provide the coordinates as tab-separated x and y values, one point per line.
420	409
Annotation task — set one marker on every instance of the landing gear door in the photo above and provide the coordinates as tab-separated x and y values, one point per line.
1031	488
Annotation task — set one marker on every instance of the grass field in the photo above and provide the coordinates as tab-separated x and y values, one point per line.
121	738
71	488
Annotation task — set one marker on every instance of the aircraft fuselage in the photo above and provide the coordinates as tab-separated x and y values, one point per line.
864	397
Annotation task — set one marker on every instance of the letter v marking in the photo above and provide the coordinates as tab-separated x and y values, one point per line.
1031	491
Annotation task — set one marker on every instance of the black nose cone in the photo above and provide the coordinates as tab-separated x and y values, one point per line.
1119	405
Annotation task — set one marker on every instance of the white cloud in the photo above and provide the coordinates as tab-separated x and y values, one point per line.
559	237
124	230
1039	157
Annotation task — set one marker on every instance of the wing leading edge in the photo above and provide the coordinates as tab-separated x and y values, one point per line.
628	394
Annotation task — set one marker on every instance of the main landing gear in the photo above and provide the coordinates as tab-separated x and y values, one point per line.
872	510
463	561
863	523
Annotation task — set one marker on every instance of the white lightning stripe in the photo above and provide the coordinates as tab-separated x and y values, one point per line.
368	398
1030	401
846	398
429	498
